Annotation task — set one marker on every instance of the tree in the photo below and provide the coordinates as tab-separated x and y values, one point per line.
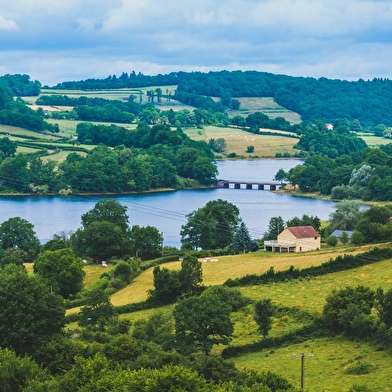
109	211
275	227
217	145
281	175
332	240
340	301
344	238
101	240
98	310
201	322
242	240
361	176
62	270
212	226
19	233
191	275
17	373
169	285
29	313
345	217
250	149
7	146
384	306
146	242
14	172
264	311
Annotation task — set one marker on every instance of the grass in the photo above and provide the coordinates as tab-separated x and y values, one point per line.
310	294
16	131
372	140
238	140
325	371
265	105
93	273
231	267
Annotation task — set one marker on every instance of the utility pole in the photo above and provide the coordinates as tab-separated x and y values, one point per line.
303	368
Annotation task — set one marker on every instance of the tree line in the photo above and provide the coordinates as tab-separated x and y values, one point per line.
322	98
362	174
150	157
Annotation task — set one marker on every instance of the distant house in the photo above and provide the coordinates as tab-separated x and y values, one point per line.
295	239
329	127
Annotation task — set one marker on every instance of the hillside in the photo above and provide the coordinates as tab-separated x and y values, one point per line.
311	98
299	301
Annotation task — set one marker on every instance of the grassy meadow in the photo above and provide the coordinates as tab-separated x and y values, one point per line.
372	140
265	105
331	357
237	141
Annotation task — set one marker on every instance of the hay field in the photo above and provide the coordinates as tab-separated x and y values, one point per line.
231	267
265	105
238	140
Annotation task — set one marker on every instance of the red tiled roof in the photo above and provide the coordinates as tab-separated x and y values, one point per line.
303	231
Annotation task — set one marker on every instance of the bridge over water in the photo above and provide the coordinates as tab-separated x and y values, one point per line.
258	185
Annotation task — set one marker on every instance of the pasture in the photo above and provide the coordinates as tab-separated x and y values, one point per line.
237	141
326	369
372	140
232	267
265	105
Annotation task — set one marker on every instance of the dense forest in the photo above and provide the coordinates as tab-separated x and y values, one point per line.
324	99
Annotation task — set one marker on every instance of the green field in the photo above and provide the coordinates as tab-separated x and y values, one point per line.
237	141
267	106
325	370
372	140
114	94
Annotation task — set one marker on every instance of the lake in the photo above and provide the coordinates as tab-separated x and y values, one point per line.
167	210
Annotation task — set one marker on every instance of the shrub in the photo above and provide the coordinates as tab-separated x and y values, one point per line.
359	368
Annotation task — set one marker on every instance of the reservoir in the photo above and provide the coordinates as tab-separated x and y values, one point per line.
167	210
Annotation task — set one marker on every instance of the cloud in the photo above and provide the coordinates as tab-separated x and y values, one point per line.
56	41
8	24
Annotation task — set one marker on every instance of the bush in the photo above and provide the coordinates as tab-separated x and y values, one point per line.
359	368
332	240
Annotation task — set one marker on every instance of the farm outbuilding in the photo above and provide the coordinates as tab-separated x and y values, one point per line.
295	239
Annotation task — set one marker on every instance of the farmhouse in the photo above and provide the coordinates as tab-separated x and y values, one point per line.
295	239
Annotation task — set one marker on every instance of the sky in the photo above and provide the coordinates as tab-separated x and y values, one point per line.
54	41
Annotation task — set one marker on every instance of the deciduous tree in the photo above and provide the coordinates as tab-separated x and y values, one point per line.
29	312
19	233
264	311
202	322
62	270
212	226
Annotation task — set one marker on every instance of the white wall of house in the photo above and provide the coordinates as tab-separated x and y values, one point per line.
301	244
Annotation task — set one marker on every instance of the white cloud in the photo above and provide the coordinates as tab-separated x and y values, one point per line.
56	41
8	24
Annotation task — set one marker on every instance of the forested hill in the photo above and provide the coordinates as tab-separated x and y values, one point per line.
325	99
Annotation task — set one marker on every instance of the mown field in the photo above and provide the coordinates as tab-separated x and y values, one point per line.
237	141
267	106
372	140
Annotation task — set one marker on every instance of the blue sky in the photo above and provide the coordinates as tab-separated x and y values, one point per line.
54	41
